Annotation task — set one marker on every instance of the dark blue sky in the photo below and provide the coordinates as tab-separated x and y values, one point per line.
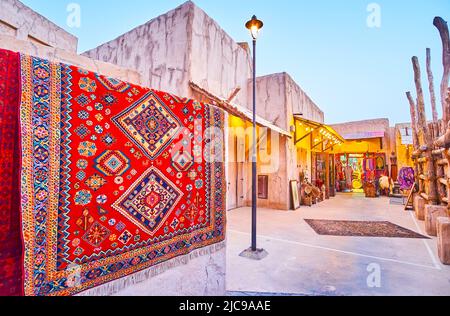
350	70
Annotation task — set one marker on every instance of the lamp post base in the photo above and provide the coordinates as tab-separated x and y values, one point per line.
257	255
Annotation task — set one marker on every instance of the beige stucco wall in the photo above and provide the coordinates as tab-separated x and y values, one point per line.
279	97
202	276
184	45
218	64
159	50
300	103
367	126
18	20
271	99
59	55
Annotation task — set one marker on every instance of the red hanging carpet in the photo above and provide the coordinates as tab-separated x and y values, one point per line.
10	242
117	182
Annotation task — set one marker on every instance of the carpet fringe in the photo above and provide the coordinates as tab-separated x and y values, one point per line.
118	285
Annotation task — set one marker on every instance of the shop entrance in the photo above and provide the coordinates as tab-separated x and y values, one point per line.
354	171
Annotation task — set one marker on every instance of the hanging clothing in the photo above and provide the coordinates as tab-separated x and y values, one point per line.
349	177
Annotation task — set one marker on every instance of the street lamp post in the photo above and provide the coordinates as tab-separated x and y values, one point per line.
254	26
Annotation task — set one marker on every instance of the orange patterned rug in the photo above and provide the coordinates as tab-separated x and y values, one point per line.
116	179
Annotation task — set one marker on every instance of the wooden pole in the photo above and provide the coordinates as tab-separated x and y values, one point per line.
421	114
444	140
416	143
426	135
412	107
442	27
431	87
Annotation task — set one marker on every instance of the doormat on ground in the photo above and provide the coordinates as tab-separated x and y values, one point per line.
361	229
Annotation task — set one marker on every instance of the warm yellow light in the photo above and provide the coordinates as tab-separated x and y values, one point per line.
254	26
254	31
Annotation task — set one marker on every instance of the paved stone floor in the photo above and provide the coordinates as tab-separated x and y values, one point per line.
303	263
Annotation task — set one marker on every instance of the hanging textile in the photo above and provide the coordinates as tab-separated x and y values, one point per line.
10	242
349	177
406	178
118	182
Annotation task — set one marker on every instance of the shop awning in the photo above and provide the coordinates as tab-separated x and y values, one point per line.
320	134
239	111
364	135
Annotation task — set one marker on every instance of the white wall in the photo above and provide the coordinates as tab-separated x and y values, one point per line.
19	21
159	50
218	64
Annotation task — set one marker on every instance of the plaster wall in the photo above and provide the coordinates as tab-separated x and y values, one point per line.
218	64
18	20
71	58
159	50
300	103
374	125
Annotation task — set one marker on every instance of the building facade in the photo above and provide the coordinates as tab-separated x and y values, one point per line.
187	53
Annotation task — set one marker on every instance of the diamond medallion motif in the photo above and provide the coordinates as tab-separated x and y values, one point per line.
149	124
149	201
112	163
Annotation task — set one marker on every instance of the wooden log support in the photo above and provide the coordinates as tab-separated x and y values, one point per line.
431	86
442	27
432	213
423	160
438	152
444	140
429	169
419	207
443	233
412	108
446	155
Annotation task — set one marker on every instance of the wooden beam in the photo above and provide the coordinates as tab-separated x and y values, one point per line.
425	196
442	27
234	94
329	147
299	140
431	87
318	144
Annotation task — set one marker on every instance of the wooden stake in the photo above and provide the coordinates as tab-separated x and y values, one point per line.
442	27
431	86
